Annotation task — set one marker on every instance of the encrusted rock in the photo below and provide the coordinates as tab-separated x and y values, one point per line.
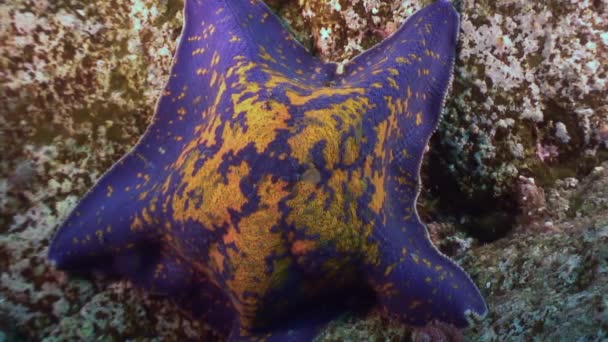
79	81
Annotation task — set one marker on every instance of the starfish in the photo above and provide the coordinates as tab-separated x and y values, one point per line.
272	190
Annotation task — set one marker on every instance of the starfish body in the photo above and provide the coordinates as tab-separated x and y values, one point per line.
271	187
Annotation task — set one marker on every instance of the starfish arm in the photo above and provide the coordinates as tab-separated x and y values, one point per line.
104	222
109	220
418	284
407	77
247	32
116	215
269	42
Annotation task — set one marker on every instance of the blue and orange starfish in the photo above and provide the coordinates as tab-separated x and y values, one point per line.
271	187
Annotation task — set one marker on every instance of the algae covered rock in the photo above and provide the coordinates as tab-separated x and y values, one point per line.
84	71
79	81
550	284
529	96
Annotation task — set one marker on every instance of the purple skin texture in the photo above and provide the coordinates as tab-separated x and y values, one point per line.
272	191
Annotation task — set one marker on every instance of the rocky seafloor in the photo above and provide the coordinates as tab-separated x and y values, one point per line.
523	146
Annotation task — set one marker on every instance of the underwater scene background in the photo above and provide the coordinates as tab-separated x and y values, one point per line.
515	182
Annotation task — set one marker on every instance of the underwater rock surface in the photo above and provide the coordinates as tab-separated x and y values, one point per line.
79	81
